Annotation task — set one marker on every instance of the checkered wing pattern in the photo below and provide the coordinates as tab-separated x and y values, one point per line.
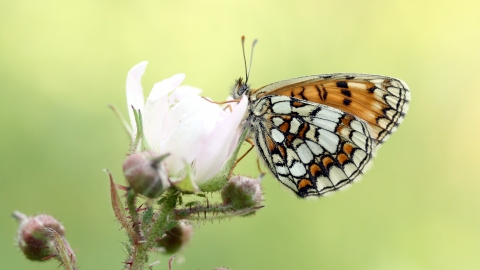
380	101
319	133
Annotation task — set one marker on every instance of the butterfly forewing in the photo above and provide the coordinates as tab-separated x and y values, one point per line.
380	101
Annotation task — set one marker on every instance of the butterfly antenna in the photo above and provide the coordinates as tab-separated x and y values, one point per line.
251	59
244	58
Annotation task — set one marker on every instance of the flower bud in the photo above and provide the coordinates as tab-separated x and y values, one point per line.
33	238
242	192
146	174
175	238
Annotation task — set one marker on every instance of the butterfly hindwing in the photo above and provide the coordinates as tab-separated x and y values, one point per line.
309	147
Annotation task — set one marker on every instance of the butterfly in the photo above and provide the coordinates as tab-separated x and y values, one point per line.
318	134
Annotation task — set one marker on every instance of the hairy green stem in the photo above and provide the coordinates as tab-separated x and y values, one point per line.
132	210
157	230
202	213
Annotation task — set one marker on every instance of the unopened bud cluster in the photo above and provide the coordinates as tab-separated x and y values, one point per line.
146	174
242	192
175	239
33	238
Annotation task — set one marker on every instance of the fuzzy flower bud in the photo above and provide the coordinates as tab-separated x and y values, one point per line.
175	238
33	238
146	173
242	192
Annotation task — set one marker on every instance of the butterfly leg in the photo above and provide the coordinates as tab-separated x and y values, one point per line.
259	167
228	107
252	144
223	102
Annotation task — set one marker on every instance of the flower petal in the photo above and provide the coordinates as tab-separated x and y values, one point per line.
166	86
135	91
189	125
157	108
182	92
221	143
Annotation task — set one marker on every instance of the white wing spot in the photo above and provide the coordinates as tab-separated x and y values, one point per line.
323	183
358	157
357	85
328	114
349	169
356	125
304	153
394	91
277	135
297	169
276	158
383	122
325	124
328	141
304	110
315	147
391	114
294	125
277	121
291	157
281	169
360	140
282	108
392	101
276	99
337	175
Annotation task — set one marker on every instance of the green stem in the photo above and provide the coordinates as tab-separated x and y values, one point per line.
168	205
132	210
157	229
202	213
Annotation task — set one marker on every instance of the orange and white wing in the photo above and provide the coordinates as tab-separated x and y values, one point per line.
380	101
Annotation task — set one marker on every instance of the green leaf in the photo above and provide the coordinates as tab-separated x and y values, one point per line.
140	136
64	252
119	210
187	184
171	225
125	124
161	200
147	216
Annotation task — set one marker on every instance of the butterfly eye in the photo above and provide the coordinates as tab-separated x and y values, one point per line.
239	88
242	89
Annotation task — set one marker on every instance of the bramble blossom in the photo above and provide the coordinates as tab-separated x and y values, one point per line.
198	135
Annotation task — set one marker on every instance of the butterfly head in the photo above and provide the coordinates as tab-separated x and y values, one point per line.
240	88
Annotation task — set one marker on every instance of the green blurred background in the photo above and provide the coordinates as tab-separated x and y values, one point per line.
62	62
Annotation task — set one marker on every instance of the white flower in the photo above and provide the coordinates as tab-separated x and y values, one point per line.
179	122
